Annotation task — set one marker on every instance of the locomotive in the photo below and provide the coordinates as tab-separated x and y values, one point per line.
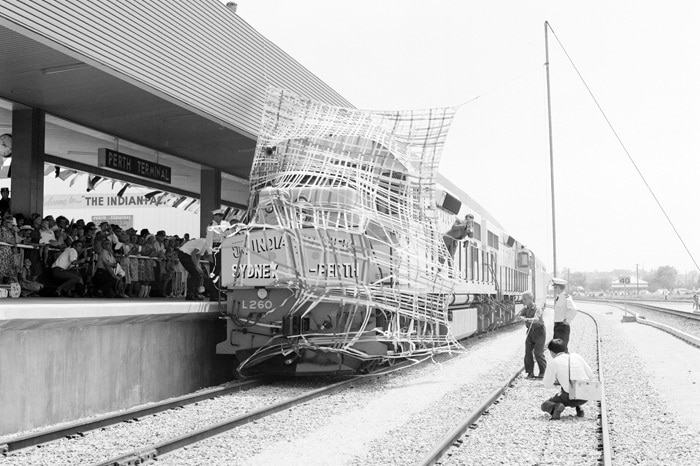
342	264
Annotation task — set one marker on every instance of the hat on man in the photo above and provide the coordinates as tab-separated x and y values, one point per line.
145	232
160	233
26	227
558	281
221	212
5	190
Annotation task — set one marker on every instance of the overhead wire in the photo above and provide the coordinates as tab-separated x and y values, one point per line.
629	156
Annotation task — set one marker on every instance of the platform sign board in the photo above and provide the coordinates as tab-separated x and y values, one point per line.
124	221
126	163
625	280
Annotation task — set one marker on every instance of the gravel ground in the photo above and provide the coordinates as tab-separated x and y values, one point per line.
111	441
689	326
516	432
389	420
645	427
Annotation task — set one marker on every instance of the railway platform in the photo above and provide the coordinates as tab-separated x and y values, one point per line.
63	359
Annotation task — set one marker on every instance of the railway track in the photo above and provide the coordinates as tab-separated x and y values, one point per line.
152	452
680	334
79	427
454	435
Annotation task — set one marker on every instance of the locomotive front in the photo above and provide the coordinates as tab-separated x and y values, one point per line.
339	267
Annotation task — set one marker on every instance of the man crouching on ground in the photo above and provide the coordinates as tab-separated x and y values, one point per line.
558	370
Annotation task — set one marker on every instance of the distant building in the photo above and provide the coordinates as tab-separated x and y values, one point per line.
629	285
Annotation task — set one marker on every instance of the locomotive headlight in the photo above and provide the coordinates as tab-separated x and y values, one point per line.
269	208
302	199
262	293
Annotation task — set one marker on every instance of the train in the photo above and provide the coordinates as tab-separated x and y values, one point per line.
345	262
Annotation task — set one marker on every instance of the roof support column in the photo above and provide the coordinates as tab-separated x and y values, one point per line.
210	195
27	184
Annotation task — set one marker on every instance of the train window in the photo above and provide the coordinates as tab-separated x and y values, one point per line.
477	231
493	240
523	260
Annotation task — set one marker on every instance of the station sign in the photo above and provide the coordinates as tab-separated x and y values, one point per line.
126	163
625	280
124	221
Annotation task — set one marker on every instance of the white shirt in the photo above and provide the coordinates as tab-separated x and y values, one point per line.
564	308
193	244
558	369
66	258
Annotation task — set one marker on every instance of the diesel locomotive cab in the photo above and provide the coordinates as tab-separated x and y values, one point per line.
298	273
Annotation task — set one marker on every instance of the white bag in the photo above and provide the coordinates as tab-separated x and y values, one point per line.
584	389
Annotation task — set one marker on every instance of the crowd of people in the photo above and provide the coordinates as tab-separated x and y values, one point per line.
53	256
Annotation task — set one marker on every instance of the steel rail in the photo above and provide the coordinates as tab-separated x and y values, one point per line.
665	310
78	427
446	442
151	452
434	455
686	314
681	335
606	446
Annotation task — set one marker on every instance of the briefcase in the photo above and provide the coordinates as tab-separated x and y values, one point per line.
585	390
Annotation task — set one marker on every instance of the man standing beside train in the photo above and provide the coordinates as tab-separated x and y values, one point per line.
564	311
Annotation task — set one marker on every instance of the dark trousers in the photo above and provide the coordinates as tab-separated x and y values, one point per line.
563	398
68	279
562	331
193	275
534	344
104	281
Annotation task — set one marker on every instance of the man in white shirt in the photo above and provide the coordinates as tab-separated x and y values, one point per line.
189	254
64	269
564	311
562	368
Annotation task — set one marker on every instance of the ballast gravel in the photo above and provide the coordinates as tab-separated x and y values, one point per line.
645	427
111	441
388	420
516	432
689	326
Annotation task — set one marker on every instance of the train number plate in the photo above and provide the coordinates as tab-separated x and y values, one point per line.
255	305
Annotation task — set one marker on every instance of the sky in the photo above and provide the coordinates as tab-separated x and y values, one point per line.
641	59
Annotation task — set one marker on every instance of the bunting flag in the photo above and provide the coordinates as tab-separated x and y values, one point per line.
121	191
65	174
47	170
151	194
190	204
75	178
93	182
179	201
57	171
5	170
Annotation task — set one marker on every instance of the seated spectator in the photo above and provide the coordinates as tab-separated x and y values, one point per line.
8	269
25	233
28	280
65	269
107	277
47	238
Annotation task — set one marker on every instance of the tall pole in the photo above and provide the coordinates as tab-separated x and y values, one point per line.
637	280
551	147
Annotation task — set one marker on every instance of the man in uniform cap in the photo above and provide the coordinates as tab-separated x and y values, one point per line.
564	311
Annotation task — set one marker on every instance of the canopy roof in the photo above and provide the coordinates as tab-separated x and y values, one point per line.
184	78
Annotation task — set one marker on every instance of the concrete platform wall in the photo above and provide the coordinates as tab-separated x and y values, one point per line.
65	371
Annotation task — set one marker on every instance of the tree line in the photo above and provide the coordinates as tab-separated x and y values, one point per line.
664	277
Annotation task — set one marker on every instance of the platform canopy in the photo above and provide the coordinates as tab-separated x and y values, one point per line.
187	78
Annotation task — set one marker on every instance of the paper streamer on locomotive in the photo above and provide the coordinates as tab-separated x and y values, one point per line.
379	169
